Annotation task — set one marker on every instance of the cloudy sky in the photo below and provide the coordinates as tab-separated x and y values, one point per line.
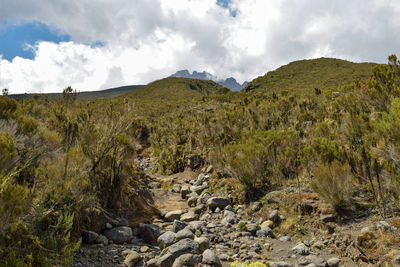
47	45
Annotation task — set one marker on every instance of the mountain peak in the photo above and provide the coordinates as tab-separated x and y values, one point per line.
230	83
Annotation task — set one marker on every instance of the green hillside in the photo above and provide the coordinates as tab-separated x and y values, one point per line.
173	88
321	73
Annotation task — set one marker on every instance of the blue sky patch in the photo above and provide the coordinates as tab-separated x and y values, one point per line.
225	4
14	38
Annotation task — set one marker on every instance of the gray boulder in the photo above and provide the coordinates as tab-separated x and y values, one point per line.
178	225
166	239
333	262
173	215
301	249
119	235
218	202
170	254
149	233
186	260
210	258
184	233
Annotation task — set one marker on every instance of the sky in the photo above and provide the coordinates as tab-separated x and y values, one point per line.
47	45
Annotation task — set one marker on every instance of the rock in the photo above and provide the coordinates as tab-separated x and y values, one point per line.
333	262
210	169
144	249
267	223
149	233
170	254
256	206
132	258
166	239
199	209
176	188
198	189
264	232
384	226
152	263
203	198
189	217
285	238
318	245
252	228
185	190
89	237
203	242
184	233
210	258
279	264
274	217
200	179
197	225
101	239
173	215
192	201
155	185
119	235
229	218
273	197
301	249
186	260
121	222
178	225
218	202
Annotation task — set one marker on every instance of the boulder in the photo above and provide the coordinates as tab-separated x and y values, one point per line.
170	254
89	237
186	260
189	217
166	239
200	179
218	202
203	242
173	215
149	233
192	201
210	258
178	225
184	233
119	235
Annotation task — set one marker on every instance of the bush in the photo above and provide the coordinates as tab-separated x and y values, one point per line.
334	183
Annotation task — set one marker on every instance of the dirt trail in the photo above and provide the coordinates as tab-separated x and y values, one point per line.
165	200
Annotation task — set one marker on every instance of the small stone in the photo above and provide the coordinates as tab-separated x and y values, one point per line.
189	216
185	190
144	249
301	249
173	215
186	260
218	202
149	233
285	238
274	217
267	223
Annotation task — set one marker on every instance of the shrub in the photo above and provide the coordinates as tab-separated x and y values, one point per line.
334	183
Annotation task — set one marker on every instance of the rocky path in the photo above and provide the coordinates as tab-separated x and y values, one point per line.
198	227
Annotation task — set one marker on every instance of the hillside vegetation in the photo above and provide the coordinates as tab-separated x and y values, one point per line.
67	166
306	75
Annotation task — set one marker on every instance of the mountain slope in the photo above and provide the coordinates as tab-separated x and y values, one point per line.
321	73
173	88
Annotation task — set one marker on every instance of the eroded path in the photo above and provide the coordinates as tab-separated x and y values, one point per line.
197	227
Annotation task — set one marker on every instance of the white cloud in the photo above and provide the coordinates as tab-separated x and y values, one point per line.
150	39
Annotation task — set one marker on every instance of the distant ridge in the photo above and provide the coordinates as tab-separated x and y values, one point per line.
83	96
230	83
